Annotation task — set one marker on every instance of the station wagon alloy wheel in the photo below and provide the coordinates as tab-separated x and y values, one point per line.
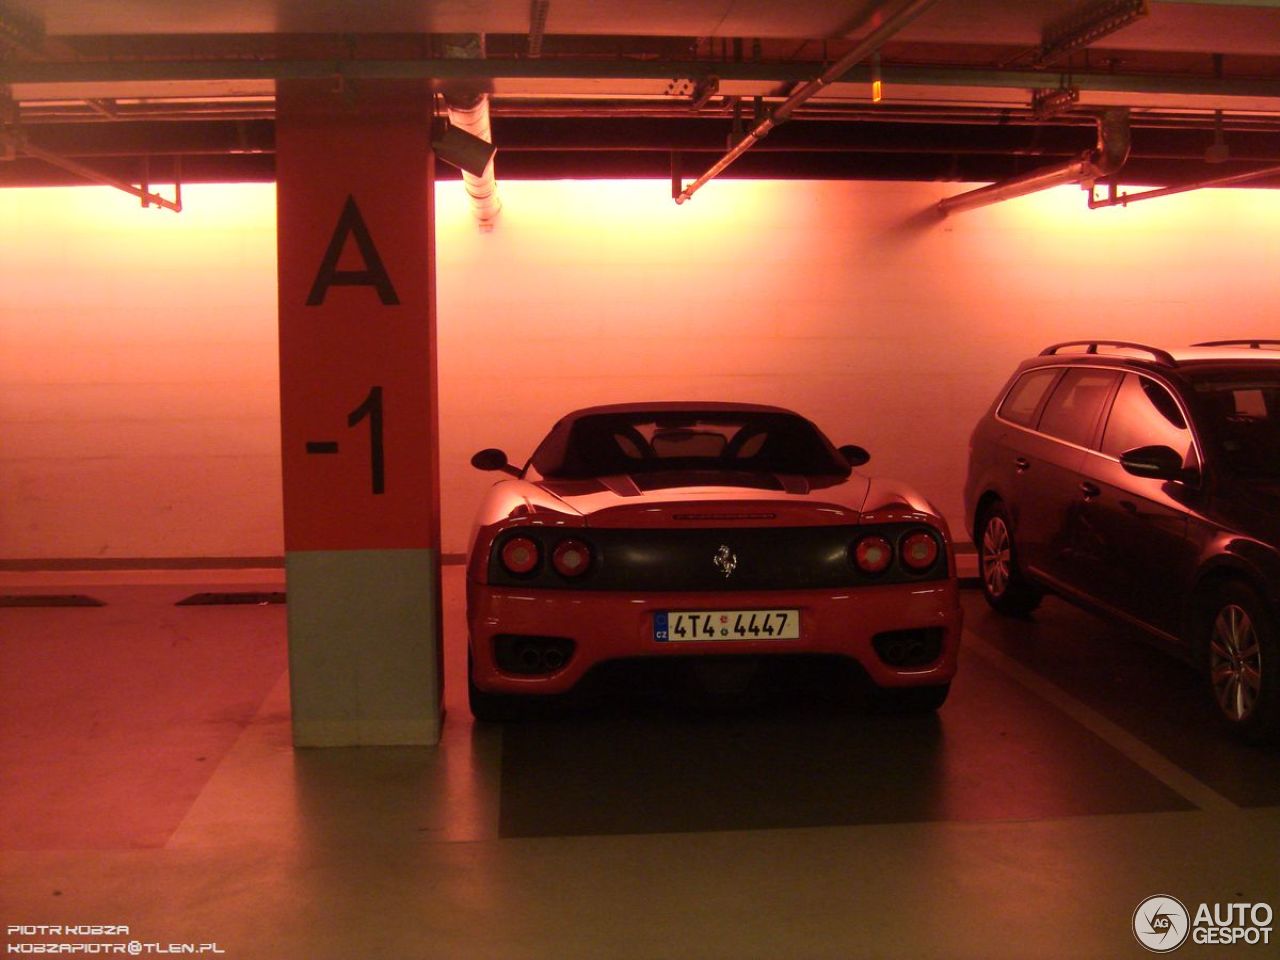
1004	587
995	556
1235	662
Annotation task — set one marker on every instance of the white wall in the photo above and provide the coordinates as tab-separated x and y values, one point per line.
138	355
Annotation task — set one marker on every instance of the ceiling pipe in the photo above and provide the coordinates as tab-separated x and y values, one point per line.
468	108
1104	160
891	18
22	145
1117	199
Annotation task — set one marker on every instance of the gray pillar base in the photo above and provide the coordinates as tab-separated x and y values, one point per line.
364	636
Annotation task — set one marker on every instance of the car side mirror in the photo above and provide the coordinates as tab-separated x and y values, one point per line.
855	454
493	459
1155	462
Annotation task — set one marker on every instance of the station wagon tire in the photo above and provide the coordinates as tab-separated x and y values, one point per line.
1004	587
1243	662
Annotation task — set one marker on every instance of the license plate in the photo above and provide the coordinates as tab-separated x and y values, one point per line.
684	625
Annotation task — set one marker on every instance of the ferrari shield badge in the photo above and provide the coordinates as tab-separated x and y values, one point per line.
726	560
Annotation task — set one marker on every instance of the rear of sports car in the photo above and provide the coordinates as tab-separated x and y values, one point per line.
553	596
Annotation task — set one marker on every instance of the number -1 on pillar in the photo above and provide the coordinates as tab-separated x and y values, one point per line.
358	411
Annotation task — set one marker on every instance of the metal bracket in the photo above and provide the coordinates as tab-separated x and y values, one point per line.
1049	103
16	140
1116	199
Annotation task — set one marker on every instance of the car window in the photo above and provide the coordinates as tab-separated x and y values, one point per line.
1024	398
646	442
1145	414
1244	417
1076	403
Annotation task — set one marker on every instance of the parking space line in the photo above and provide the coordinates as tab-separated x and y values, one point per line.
1149	759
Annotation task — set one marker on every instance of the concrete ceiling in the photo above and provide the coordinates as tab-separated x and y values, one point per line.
606	88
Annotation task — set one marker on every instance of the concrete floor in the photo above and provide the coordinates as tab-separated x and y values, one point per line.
149	782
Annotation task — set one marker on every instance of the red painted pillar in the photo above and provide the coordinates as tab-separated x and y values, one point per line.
358	411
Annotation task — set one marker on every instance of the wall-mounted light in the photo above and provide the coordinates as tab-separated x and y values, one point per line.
464	150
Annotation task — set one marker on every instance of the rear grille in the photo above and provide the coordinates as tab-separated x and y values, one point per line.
531	655
909	648
730	559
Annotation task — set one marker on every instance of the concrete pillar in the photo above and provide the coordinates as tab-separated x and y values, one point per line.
358	411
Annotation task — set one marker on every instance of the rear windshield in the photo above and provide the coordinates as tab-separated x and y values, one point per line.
605	444
1242	417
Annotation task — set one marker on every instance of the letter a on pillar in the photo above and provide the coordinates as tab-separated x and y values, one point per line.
358	411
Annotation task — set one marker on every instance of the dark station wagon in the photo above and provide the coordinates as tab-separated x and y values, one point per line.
1144	483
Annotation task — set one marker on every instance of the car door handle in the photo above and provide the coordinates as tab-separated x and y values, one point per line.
1089	490
1022	463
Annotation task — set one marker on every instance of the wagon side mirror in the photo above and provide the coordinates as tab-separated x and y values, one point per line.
855	454
493	459
1155	462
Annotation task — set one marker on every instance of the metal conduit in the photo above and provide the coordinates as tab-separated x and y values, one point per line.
482	189
1108	157
468	108
892	18
1115	198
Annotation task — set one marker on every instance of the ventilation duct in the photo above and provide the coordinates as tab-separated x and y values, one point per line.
467	104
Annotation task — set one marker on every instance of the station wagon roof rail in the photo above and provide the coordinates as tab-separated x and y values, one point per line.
1252	344
1163	357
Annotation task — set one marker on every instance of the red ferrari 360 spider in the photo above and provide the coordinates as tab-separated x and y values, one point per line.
699	530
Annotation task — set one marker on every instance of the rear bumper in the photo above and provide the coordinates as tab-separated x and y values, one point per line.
606	626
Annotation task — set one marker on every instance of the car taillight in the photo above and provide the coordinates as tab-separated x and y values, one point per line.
919	550
571	558
873	554
519	555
